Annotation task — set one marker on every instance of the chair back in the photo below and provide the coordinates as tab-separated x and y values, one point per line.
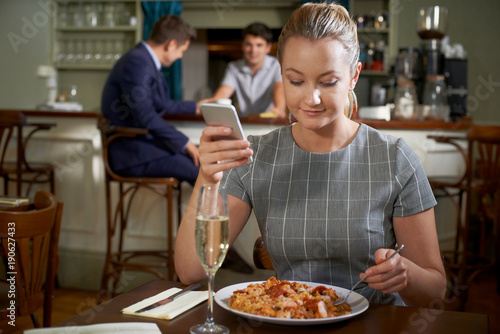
9	120
30	240
483	182
20	170
110	133
484	156
261	257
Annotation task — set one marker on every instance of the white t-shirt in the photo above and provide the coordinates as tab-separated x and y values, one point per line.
253	92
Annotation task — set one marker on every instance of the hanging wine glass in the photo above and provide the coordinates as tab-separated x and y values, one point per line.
118	51
108	53
98	52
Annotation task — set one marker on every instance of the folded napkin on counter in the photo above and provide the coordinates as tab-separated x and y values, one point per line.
170	310
118	327
66	106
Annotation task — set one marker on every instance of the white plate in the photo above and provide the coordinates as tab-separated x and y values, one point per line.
358	303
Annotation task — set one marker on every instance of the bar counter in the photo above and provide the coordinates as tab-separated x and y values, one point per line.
465	124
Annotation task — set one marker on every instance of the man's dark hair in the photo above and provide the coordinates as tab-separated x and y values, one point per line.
171	27
260	30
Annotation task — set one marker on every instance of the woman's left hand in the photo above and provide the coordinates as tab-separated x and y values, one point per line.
387	276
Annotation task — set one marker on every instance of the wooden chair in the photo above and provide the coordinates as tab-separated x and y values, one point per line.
477	231
261	257
29	240
483	184
21	171
497	238
118	259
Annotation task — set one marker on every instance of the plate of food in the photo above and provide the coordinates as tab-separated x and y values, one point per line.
290	303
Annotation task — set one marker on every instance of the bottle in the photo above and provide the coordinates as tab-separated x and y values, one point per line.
391	87
405	100
370	54
109	15
379	57
64	19
78	15
435	99
363	55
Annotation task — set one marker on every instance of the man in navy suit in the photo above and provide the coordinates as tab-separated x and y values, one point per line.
136	94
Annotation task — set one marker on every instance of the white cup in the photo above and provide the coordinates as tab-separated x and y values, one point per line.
224	101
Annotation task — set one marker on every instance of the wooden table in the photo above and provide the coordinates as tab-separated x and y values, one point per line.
377	319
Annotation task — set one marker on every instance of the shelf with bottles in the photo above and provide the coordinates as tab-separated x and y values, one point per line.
375	73
376	24
374	56
382	31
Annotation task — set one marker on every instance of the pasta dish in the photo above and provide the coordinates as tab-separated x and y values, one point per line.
288	300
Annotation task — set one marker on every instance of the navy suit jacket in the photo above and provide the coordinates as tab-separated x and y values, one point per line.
136	94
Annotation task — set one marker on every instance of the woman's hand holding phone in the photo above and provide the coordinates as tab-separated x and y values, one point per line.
222	144
218	155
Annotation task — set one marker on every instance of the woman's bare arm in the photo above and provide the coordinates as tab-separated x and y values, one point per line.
212	155
418	274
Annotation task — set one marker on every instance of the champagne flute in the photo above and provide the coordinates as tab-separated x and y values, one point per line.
212	244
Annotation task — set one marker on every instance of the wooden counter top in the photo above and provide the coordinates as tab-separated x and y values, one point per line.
69	114
378	124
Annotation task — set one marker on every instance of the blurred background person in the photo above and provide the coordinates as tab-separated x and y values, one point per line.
256	79
136	94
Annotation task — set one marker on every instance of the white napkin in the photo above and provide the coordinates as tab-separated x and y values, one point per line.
119	327
66	106
170	310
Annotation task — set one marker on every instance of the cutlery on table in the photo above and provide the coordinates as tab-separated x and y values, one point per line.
340	301
169	298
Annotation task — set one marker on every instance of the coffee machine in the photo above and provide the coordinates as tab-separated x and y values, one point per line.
433	67
432	26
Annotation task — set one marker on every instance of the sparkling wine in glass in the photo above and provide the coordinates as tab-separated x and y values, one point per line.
212	244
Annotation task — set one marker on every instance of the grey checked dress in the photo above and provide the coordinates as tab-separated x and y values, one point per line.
323	215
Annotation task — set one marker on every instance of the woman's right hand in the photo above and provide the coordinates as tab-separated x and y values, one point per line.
214	160
216	156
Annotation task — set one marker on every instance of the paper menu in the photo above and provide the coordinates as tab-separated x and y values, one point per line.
115	327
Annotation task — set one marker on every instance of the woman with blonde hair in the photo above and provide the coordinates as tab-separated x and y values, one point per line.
332	197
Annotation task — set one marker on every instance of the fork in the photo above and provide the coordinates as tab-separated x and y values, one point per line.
341	300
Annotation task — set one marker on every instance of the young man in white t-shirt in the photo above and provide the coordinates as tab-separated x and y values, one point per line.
256	79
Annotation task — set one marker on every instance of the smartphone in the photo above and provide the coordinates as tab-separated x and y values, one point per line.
216	114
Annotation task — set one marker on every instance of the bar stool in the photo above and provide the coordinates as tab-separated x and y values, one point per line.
118	259
21	171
